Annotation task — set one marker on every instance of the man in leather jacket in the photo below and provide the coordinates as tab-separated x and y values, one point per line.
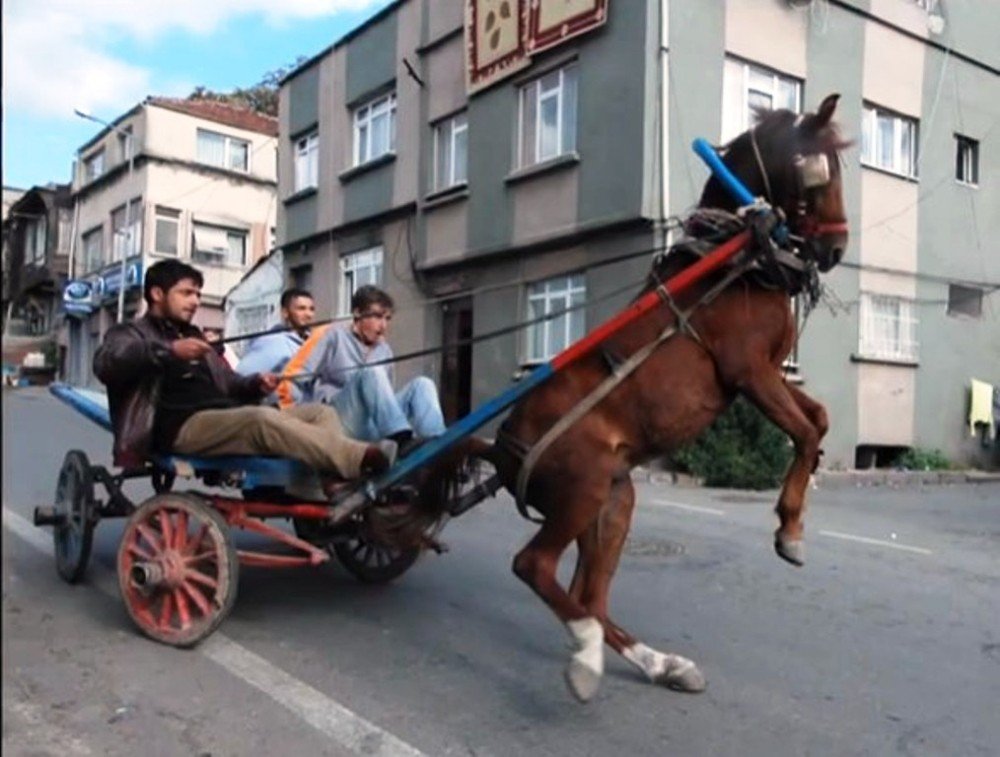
170	391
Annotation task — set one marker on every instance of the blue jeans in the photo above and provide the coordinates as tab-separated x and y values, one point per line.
370	410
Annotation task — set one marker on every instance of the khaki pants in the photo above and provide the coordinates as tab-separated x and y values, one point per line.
311	433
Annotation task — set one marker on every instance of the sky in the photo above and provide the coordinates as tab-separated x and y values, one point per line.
105	56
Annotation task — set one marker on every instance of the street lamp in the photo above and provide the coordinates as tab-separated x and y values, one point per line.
127	135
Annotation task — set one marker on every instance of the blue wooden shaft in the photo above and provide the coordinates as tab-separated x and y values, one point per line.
734	186
463	427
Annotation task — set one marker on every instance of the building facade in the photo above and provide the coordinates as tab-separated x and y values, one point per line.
489	168
200	186
37	231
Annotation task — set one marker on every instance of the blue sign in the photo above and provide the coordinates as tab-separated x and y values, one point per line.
110	281
79	297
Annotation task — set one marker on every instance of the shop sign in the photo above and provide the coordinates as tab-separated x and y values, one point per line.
79	297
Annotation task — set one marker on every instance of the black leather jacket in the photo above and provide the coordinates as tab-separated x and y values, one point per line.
130	363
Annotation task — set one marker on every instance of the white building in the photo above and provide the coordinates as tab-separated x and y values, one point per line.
201	187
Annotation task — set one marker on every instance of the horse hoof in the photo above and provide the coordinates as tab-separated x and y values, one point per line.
682	675
582	680
791	550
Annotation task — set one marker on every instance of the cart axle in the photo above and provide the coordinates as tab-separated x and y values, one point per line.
47	516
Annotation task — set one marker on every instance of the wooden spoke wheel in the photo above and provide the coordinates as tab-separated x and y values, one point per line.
372	562
74	507
177	569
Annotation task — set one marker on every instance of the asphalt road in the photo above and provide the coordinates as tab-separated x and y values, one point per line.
886	642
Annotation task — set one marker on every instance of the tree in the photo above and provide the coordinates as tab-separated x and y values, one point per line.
261	97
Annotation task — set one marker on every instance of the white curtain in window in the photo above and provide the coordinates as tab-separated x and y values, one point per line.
211	148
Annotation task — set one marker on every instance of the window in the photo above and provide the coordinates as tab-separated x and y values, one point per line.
966	160
963	300
126	235
451	151
548	338
302	276
889	141
746	87
93	252
215	245
375	129
888	328
548	117
251	319
359	269
167	226
223	151
126	143
34	240
307	162
93	166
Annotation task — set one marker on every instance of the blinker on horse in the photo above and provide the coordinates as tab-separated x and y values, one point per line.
728	335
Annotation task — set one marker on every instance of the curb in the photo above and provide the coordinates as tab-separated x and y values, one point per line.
827	479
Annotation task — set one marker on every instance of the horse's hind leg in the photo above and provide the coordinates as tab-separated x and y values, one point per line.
536	565
768	390
816	413
600	551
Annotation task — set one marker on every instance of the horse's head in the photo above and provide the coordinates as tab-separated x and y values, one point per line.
793	161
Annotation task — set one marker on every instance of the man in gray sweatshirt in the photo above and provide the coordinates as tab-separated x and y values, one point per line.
363	394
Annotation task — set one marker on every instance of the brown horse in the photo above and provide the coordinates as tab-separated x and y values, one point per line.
736	344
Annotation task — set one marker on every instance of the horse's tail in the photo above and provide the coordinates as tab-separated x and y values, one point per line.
438	485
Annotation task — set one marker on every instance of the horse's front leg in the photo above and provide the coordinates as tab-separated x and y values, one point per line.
767	389
600	549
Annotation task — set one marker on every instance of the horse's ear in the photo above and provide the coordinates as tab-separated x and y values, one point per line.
825	112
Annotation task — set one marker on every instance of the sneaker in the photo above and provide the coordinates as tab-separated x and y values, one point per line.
379	457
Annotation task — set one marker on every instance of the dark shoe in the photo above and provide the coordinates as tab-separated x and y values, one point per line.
409	445
379	457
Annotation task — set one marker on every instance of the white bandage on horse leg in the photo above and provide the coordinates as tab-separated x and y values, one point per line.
655	664
589	637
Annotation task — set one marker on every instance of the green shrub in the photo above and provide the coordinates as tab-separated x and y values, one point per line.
922	459
742	449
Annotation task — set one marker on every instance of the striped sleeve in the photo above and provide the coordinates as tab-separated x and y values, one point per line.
286	396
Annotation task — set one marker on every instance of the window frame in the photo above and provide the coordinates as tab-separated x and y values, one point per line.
370	258
227	144
450	137
966	160
573	291
363	117
164	214
305	150
562	113
212	257
96	233
901	165
36	238
133	223
902	347
98	158
738	116
958	294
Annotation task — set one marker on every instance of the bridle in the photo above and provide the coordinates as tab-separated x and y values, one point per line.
812	171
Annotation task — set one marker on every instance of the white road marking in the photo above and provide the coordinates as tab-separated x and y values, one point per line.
876	542
324	714
691	508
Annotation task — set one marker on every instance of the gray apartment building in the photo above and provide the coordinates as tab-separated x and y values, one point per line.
489	162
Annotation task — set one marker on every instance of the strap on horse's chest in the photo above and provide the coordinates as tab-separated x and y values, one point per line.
620	370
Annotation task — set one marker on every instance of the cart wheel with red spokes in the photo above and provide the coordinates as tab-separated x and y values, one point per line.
177	569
